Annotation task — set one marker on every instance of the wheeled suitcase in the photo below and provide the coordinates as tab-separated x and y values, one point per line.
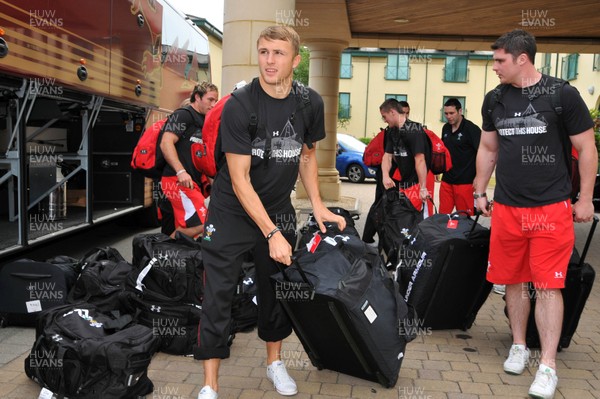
27	287
345	308
442	270
578	286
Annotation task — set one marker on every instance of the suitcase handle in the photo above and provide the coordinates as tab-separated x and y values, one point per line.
31	276
588	241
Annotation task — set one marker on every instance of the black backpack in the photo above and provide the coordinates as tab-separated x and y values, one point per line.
81	353
553	92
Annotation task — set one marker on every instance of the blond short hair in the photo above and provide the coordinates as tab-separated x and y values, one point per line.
285	33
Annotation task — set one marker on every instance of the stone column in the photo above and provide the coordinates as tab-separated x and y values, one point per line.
324	75
242	23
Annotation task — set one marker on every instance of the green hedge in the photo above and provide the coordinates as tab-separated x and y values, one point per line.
365	140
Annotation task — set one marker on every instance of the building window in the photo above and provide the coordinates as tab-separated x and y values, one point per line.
569	66
397	67
346	66
462	101
456	69
344	106
596	62
546	64
398	97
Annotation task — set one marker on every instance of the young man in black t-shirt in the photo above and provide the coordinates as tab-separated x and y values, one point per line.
250	207
408	147
181	180
532	238
461	137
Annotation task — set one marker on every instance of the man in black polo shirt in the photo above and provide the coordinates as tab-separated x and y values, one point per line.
461	137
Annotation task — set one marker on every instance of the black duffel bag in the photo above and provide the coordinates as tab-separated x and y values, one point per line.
166	269
395	215
80	352
102	275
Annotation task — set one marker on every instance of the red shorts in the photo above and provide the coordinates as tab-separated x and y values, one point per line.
531	244
188	204
459	196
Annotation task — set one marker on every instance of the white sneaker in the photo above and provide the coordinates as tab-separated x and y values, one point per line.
284	384
517	359
207	393
500	289
544	385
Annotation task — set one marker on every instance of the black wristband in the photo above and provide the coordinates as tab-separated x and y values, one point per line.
272	233
482	195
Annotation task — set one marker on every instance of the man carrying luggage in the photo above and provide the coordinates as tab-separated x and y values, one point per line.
407	147
250	207
532	236
181	180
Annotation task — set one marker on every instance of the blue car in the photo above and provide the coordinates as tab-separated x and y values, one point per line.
349	161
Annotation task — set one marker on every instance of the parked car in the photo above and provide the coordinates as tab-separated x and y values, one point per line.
349	162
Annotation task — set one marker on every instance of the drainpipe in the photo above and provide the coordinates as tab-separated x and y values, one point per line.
425	96
367	99
487	64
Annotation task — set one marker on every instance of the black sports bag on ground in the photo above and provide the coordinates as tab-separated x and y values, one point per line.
28	287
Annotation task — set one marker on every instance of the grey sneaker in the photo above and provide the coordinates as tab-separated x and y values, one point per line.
517	359
207	393
500	289
544	385
284	384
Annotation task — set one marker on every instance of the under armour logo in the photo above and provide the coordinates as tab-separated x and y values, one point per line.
517	114
248	281
155	309
558	275
57	338
276	133
161	256
459	136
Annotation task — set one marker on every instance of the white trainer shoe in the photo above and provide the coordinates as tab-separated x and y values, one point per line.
207	393
284	384
544	385
517	359
499	289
